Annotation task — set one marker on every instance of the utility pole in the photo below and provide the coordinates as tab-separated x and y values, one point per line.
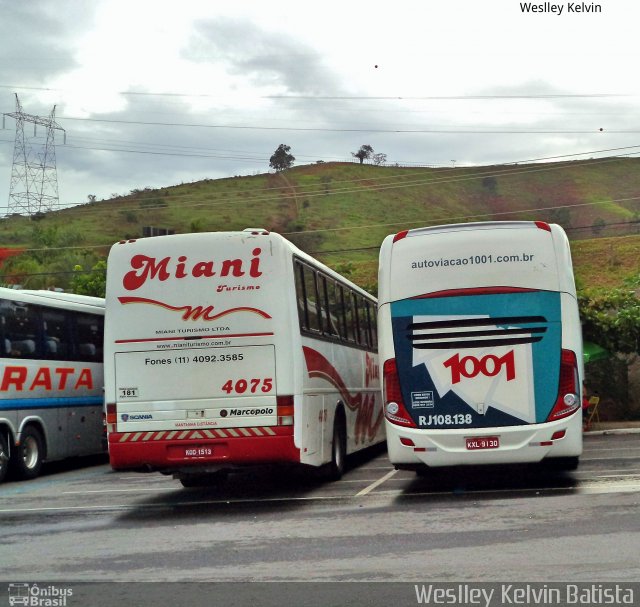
34	179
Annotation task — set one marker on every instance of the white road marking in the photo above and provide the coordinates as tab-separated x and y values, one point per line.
377	483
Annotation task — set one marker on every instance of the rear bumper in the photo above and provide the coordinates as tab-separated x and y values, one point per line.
518	444
155	450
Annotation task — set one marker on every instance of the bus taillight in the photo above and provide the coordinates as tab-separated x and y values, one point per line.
110	417
394	409
284	406
568	400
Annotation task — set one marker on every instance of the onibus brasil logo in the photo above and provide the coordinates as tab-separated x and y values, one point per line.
35	595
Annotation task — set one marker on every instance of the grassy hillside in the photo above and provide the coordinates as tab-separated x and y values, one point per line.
341	212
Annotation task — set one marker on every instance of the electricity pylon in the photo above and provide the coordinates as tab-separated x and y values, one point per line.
34	179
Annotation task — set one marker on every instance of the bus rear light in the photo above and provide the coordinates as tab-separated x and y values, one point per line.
558	434
407	442
568	400
543	225
400	235
111	413
394	409
284	406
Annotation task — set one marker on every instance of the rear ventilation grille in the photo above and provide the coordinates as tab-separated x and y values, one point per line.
477	332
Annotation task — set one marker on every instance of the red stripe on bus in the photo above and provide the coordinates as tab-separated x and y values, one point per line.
194	339
474	291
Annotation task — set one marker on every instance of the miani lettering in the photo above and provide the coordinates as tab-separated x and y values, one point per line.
151	268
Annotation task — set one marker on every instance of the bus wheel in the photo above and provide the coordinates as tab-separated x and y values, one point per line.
27	459
4	455
335	468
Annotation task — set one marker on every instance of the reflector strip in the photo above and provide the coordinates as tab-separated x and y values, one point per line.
261	431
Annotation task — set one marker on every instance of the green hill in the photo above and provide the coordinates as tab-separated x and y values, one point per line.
340	212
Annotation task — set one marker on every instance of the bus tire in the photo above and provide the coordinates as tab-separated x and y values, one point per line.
4	455
336	466
26	460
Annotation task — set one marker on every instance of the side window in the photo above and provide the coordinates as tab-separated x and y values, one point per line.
21	330
374	326
351	316
363	317
89	334
5	342
328	296
336	306
300	296
362	321
370	315
307	296
56	334
311	299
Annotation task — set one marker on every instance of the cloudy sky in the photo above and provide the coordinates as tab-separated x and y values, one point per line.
156	93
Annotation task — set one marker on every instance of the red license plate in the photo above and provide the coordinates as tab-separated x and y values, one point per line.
483	442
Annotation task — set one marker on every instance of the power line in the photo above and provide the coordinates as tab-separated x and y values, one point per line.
421	222
345	97
325	252
396	182
353	130
402	181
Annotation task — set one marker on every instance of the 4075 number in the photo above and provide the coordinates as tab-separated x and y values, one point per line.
252	386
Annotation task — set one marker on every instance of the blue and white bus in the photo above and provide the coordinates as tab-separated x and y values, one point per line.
51	397
480	346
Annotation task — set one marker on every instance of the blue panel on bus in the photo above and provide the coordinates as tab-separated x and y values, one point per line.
478	361
41	403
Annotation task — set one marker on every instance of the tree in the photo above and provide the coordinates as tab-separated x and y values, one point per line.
45	264
92	282
379	159
365	152
611	318
281	158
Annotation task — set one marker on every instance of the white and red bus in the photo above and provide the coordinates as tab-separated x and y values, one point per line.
232	349
51	404
480	345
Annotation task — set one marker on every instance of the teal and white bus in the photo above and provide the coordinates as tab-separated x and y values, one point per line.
480	346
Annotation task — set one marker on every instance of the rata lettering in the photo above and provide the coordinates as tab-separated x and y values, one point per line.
22	378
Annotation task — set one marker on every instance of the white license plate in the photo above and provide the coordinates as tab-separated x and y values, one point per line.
197	452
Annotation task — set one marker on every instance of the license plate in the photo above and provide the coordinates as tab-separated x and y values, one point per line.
197	452
483	442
